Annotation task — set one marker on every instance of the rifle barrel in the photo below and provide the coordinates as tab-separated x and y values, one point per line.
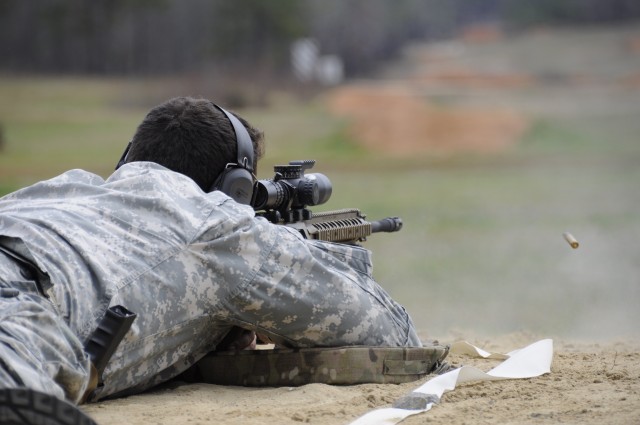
389	224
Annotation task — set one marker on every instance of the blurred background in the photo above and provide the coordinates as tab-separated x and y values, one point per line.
490	126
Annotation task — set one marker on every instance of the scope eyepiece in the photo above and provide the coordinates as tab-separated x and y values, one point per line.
270	194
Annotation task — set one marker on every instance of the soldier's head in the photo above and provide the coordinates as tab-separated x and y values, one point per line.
192	137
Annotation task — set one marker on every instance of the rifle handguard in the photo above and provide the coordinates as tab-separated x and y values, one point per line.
344	226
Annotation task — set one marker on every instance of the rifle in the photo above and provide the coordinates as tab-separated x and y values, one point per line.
284	200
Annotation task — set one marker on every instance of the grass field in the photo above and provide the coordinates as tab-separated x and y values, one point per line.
482	245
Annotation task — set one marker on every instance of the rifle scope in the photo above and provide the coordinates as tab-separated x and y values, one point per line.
291	188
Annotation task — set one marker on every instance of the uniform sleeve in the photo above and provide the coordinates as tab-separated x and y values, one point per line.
313	293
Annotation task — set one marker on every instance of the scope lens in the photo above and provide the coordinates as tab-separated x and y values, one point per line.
269	195
321	189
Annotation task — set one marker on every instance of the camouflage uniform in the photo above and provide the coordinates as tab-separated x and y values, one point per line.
190	264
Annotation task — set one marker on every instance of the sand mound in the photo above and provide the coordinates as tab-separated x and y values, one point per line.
393	120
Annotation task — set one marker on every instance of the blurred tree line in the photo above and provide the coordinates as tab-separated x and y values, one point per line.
135	37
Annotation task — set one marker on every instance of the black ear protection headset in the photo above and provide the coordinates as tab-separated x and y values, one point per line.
237	179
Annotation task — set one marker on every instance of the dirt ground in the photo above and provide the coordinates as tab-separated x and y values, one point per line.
590	383
390	118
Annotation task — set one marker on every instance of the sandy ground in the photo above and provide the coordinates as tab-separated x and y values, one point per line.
590	383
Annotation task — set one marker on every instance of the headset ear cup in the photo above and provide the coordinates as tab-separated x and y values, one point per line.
237	183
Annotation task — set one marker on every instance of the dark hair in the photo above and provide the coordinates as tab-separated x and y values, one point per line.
192	137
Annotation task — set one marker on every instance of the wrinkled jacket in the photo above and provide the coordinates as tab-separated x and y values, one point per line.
191	265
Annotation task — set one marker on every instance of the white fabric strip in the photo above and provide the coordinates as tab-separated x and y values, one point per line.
531	361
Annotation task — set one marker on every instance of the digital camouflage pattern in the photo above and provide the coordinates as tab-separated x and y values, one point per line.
190	264
36	349
337	366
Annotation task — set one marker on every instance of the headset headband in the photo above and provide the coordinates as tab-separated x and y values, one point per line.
243	141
